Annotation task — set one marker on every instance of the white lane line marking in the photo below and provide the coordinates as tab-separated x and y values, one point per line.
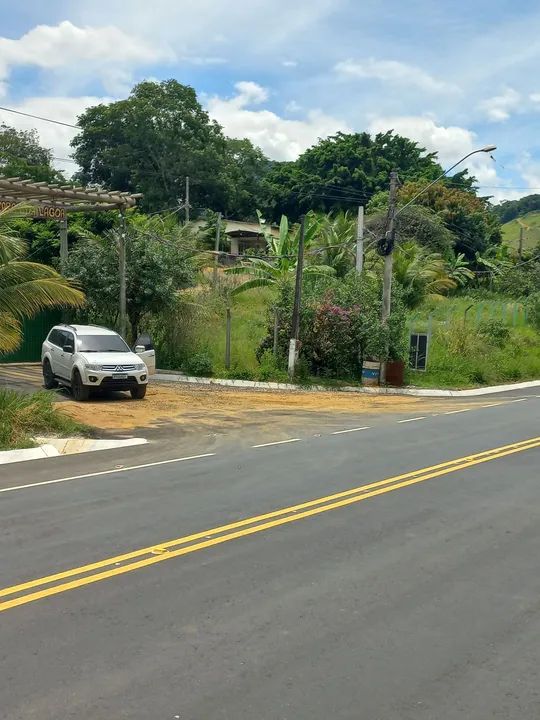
493	404
278	442
422	417
105	472
342	432
455	412
518	400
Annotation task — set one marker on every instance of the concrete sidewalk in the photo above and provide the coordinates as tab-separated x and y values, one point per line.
170	376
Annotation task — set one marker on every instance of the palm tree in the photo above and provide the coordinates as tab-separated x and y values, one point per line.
336	242
421	274
26	287
282	250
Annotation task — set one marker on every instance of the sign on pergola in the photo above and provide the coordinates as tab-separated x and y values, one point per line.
53	202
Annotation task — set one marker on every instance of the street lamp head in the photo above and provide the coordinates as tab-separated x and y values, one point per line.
488	148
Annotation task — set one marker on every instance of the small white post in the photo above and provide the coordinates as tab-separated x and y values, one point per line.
360	240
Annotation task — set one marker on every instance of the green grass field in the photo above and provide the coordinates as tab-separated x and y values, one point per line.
531	231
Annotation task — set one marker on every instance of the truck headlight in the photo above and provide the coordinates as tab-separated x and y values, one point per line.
140	366
92	366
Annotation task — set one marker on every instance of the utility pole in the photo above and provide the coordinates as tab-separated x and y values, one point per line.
186	206
293	343
63	241
216	247
389	248
360	240
520	247
122	273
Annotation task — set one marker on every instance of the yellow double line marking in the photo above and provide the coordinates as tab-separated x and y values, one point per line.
144	557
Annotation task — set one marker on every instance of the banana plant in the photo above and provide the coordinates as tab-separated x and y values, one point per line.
280	264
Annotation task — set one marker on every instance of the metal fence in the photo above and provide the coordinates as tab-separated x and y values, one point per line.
513	314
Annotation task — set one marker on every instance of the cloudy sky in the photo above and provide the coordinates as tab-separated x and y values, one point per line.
453	75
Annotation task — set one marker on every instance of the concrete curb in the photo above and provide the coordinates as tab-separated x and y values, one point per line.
174	376
54	447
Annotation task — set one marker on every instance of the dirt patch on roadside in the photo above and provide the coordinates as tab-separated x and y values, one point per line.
210	404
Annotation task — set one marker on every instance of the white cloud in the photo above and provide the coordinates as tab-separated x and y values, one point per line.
106	52
249	93
392	71
450	143
249	30
293	107
55	137
500	107
279	138
289	63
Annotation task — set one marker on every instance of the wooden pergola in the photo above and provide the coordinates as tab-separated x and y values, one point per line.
66	198
53	202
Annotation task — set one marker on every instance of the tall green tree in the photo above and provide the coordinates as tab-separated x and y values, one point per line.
159	263
21	155
417	223
467	216
26	287
157	137
344	170
247	167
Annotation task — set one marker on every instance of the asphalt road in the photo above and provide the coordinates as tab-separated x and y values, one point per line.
214	588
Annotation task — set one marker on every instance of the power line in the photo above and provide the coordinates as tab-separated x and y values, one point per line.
19	157
39	117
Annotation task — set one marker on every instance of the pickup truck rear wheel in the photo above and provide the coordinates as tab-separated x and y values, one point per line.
80	391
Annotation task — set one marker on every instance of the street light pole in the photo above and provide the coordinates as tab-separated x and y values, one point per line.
389	239
487	149
391	229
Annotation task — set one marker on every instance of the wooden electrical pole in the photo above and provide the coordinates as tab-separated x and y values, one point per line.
293	343
360	240
389	248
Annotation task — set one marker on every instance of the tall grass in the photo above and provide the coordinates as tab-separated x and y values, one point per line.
23	416
462	355
196	331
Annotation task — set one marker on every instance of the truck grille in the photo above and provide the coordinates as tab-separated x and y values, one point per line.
118	368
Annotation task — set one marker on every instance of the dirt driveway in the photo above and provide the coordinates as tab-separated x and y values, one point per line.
179	409
215	406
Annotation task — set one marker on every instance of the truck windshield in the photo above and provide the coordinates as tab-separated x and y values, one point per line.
102	343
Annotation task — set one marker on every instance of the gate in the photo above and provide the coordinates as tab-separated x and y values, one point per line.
34	333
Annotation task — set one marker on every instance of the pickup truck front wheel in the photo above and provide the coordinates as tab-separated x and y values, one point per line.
139	392
80	391
49	381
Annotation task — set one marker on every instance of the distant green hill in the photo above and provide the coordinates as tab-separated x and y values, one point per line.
531	231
